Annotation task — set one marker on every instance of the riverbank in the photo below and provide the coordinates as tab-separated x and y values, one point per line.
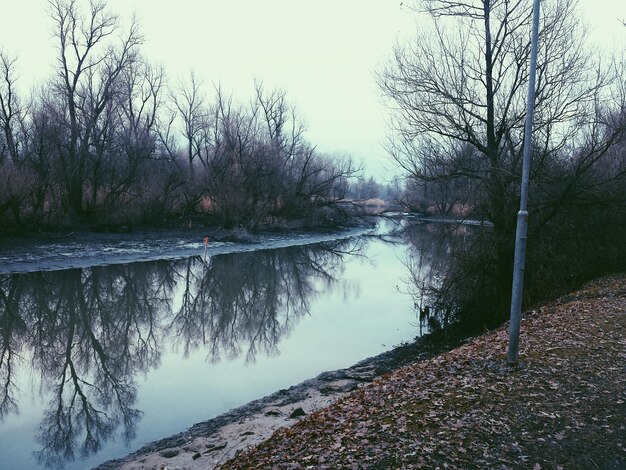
59	251
213	442
563	407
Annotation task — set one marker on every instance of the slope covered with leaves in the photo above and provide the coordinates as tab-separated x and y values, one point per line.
564	406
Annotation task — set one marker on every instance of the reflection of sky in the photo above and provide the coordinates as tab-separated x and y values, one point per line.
362	315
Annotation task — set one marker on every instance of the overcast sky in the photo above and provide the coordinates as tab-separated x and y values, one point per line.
322	52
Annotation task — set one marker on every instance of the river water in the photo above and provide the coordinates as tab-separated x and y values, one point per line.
109	342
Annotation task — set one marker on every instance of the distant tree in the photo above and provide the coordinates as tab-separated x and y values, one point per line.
310	181
369	188
105	141
256	164
123	156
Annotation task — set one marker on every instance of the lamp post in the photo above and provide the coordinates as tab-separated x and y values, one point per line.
522	216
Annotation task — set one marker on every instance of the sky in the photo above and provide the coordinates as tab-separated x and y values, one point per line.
324	53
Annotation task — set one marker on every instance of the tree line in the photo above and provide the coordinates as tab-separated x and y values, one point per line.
107	140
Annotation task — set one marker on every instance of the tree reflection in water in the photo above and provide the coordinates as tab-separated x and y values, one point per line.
250	300
435	250
89	332
12	328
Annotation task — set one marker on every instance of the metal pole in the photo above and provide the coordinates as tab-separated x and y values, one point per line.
522	215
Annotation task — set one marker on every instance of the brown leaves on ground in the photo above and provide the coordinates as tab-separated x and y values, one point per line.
562	407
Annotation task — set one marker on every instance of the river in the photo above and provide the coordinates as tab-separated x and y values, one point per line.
109	342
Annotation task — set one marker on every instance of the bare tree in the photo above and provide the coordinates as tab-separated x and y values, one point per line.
89	67
190	103
461	85
12	113
100	144
123	141
18	180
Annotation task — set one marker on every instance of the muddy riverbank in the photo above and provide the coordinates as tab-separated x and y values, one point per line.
212	442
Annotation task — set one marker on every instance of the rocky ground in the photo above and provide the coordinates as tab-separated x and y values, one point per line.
563	406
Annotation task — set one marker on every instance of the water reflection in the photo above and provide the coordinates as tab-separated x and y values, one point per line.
432	249
250	300
88	332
